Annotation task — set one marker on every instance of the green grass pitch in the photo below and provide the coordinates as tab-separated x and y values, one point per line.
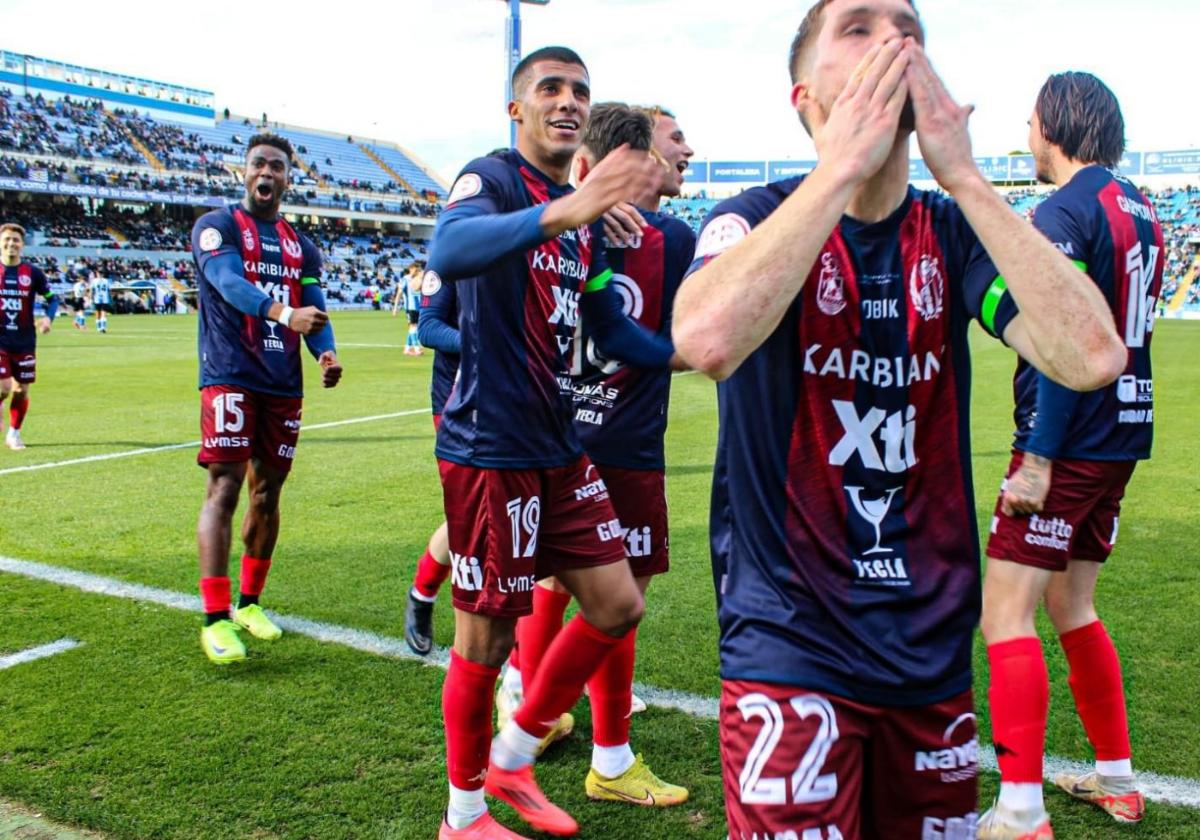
136	735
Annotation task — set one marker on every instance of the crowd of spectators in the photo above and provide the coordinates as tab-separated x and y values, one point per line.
117	269
63	127
176	148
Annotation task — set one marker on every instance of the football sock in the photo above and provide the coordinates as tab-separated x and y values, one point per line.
610	690
253	578
573	657
214	597
429	578
465	807
1099	692
467	713
512	679
611	762
1019	699
536	632
17	409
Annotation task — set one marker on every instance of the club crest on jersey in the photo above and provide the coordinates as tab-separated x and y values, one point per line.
831	290
248	239
431	283
292	248
210	239
466	186
927	288
24	281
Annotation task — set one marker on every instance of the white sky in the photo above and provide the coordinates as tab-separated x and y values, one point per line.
429	74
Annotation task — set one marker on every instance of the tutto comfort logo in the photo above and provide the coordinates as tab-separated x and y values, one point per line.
1054	533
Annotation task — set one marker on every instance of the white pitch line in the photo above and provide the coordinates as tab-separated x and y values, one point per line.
149	450
36	653
1174	790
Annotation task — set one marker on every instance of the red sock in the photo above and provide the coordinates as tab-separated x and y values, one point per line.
611	693
214	594
1019	699
575	655
17	410
430	575
254	574
1099	692
536	632
467	712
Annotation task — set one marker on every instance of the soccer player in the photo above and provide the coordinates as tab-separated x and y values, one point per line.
1056	519
20	285
259	291
522	500
412	305
79	293
438	329
621	419
101	301
833	309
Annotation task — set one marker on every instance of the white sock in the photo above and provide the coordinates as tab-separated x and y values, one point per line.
1022	796
514	748
421	597
465	807
512	680
611	762
1120	768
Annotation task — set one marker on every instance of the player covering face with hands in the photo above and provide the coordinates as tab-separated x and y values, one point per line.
833	309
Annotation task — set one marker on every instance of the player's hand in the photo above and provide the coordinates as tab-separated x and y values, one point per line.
331	370
622	224
623	175
857	135
1025	491
941	125
308	320
44	325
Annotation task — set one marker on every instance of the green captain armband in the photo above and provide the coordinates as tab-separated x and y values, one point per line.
1080	264
598	282
308	281
991	302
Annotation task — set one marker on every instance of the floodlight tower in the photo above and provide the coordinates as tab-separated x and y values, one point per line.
512	47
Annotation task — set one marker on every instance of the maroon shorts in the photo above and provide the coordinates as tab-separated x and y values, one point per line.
1078	520
640	499
21	366
508	528
806	764
237	424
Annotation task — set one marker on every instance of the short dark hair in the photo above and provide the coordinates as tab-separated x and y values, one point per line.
1080	115
566	55
274	141
810	27
613	124
15	228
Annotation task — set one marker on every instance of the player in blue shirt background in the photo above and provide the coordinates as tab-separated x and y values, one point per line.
101	288
1056	520
833	309
259	292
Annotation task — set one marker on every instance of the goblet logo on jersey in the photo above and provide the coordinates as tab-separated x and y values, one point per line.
272	342
927	288
831	291
879	570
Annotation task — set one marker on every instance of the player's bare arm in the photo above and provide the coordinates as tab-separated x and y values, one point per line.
1064	328
1025	492
622	175
728	308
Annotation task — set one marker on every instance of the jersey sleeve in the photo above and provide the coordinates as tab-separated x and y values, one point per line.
41	286
485	183
599	271
310	261
214	234
985	296
727	224
1060	223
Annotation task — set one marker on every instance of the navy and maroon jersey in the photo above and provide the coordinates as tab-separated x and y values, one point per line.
511	408
843	528
440	300
20	286
621	411
1111	231
239	349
